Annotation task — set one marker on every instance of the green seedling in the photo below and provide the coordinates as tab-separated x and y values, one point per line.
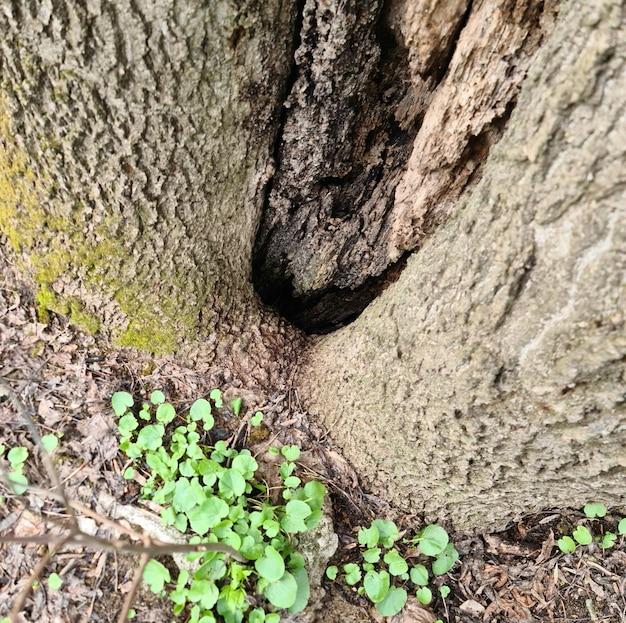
385	574
212	493
583	536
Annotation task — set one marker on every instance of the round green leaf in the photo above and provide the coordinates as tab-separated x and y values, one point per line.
353	573
150	437
19	482
121	401
207	515
595	510
372	554
419	575
156	575
256	419
291	453
331	572
49	442
376	585
201	410
433	539
444	591
17	455
304	590
566	544
387	532
621	526
397	564
608	540
271	566
157	397
393	602
232	483
445	561
368	536
245	464
165	413
282	594
582	535
54	582
424	595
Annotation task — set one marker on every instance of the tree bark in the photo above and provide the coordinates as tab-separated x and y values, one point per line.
489	380
137	145
139	148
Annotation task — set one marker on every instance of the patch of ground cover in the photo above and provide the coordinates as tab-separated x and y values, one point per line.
67	379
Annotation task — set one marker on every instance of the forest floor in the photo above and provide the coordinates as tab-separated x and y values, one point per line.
67	379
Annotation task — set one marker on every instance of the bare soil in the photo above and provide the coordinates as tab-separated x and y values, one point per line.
66	379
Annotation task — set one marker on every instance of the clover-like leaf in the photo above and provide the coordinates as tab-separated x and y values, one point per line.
121	402
376	584
393	602
582	535
594	510
271	566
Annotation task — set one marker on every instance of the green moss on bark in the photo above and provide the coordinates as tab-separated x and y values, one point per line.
54	251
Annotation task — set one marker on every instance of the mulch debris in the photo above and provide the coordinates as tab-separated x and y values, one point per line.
66	379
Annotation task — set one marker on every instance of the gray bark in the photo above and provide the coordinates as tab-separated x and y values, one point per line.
489	380
137	150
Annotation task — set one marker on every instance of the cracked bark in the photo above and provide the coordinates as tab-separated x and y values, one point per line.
488	382
391	113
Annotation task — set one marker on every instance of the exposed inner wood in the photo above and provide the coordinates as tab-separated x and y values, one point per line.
393	109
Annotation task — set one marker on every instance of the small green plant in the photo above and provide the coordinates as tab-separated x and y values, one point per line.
211	492
16	457
583	536
385	576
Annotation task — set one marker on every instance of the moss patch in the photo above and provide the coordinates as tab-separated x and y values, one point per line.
56	250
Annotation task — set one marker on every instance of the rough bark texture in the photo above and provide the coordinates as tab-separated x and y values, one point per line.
427	83
489	380
137	141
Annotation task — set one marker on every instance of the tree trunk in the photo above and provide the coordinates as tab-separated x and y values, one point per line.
144	146
137	145
489	380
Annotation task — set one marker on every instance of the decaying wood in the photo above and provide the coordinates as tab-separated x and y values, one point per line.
390	116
